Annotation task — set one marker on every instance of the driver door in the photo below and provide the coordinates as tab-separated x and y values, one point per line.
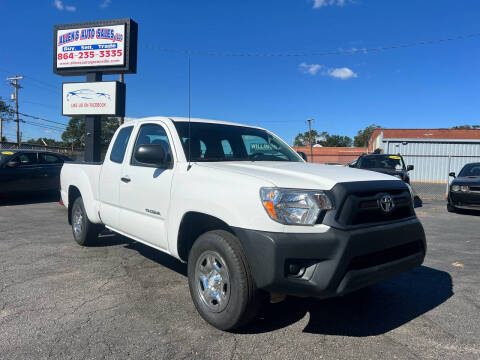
145	190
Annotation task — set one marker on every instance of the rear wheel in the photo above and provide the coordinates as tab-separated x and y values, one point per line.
85	232
220	281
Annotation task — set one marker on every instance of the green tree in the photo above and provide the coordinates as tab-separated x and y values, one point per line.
303	139
323	138
6	114
336	141
75	131
466	127
363	136
6	111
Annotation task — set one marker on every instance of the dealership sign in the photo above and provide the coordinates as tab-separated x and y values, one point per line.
93	98
102	46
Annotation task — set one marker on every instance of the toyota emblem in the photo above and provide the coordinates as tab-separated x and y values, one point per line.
386	203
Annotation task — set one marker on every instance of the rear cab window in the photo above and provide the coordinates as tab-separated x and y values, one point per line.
120	146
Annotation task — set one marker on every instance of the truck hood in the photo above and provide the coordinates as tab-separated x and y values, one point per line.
298	174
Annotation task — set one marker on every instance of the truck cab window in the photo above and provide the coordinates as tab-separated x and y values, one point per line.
151	134
120	145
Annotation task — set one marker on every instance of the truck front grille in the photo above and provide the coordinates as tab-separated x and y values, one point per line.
358	204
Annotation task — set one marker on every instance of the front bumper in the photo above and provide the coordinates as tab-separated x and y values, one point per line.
465	200
335	262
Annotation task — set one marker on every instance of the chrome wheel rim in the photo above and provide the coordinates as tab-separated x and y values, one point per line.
212	281
77	222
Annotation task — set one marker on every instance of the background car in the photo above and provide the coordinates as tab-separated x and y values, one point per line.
24	171
384	163
464	191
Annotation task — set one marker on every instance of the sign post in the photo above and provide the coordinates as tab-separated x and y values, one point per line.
93	49
93	129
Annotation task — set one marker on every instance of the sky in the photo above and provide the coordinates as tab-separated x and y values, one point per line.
432	86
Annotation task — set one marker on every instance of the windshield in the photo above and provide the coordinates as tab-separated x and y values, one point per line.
391	162
218	142
470	170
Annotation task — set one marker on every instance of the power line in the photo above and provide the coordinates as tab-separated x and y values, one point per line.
307	54
40	104
44	126
39	82
39	118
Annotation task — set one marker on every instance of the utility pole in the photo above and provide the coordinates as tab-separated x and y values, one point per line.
16	85
1	133
310	137
122	80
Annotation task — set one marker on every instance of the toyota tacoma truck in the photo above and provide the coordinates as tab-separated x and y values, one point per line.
246	213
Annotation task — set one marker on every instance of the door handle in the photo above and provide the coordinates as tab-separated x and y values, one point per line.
126	179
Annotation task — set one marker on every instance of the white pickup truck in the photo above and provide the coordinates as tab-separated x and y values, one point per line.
246	212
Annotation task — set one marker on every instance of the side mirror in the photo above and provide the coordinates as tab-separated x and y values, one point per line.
303	155
452	174
152	155
410	167
13	163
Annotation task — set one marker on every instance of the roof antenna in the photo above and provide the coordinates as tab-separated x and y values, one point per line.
189	111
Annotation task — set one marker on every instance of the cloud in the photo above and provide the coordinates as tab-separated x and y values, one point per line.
59	5
105	3
311	69
317	4
343	73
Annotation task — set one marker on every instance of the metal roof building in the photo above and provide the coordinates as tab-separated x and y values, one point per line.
433	152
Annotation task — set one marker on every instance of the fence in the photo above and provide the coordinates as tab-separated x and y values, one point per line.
74	154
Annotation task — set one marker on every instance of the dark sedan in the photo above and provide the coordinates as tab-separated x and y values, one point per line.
24	171
464	192
384	163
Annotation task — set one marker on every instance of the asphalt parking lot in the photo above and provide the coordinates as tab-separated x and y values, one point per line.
122	300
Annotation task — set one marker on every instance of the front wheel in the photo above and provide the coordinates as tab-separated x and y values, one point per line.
221	282
451	208
85	232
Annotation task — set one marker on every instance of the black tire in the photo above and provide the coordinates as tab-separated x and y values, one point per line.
244	299
85	232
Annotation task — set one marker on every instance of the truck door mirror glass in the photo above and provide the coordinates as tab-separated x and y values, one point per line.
152	155
410	167
452	174
303	155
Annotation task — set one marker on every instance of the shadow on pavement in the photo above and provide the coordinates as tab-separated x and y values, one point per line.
159	257
32	198
468	212
108	238
372	311
375	310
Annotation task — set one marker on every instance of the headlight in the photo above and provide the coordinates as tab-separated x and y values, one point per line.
294	207
464	188
455	188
